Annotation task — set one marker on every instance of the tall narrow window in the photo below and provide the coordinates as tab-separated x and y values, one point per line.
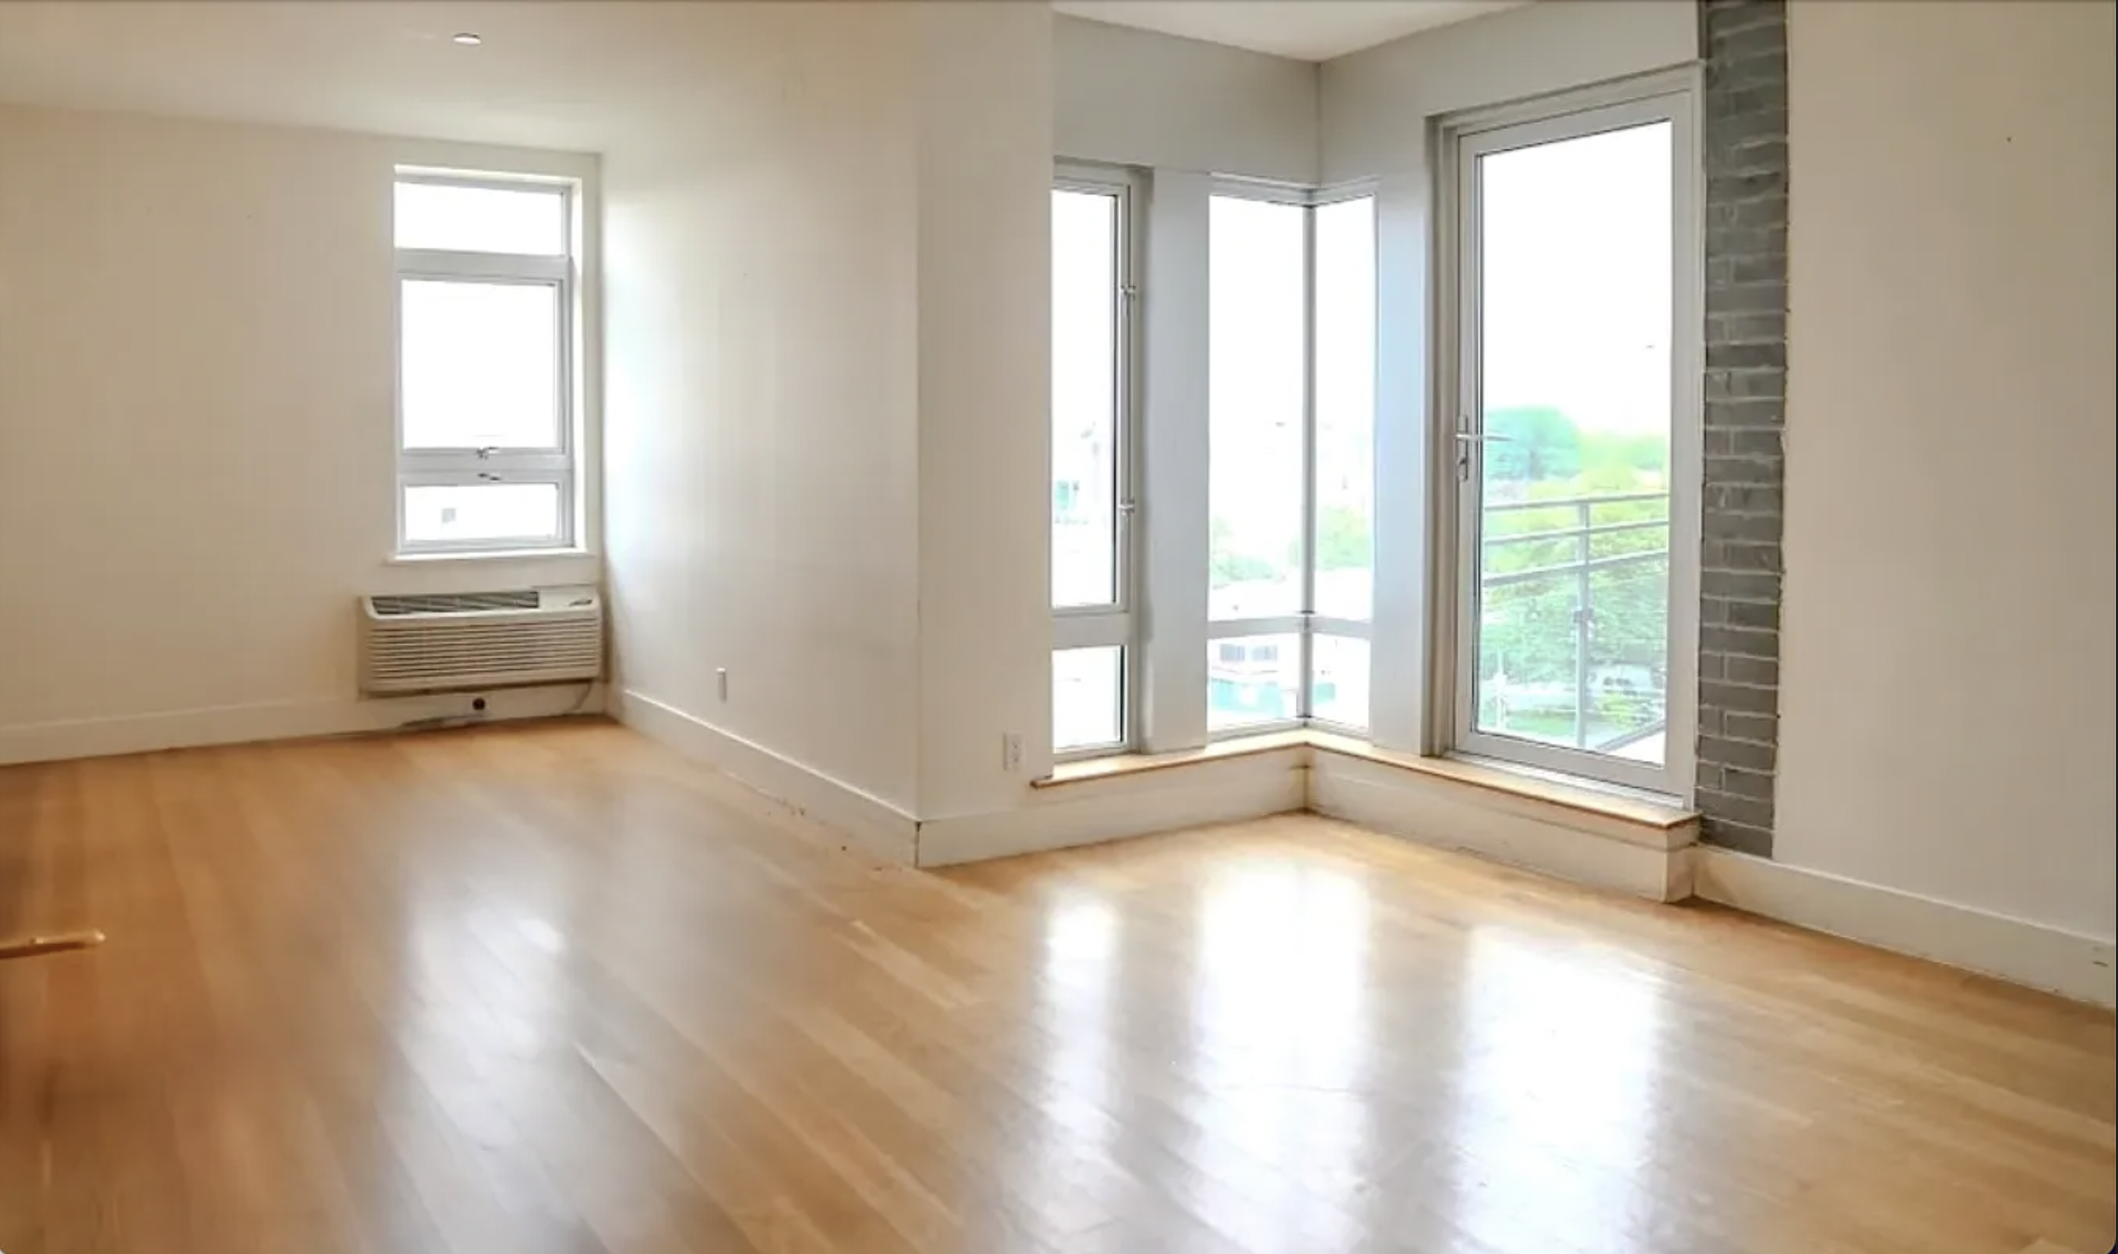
1291	480
1092	240
1342	471
485	364
1258	419
1575	395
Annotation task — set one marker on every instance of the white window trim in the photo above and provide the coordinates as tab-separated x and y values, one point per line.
1115	625
1671	96
561	464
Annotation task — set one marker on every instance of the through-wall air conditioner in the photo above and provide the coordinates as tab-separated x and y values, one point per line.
457	641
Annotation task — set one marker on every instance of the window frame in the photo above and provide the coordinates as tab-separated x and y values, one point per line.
1671	97
1114	624
469	467
1305	624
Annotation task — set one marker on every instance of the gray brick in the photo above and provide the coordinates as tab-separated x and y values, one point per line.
1741	555
1758	642
1751	670
1746	241
1736	385
1740	837
1751	412
1756	785
1739	586
1766	41
1726	355
1743	119
1721	188
1730	103
1761	729
1749	811
1754	442
1745	298
1732	498
1744	472
1737	753
1750	328
1735	698
1758	616
1767	214
1744	149
1757	527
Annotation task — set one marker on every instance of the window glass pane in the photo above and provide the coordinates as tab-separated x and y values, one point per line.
1345	407
1338	681
479	364
1575	332
1088	698
481	513
1252	680
482	219
1085	272
1256	308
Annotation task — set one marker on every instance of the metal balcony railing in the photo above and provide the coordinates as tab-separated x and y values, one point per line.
1589	566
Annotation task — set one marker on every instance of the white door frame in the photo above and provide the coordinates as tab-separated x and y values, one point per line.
1672	98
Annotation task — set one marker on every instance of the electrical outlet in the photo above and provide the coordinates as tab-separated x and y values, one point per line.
720	681
1011	751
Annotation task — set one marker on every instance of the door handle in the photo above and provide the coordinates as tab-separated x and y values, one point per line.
1468	438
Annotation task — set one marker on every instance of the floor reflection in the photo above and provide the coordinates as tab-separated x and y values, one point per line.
1556	1101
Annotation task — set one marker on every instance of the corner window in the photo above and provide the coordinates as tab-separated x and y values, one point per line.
1291	478
486	364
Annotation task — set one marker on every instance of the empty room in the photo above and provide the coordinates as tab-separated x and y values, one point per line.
1092	627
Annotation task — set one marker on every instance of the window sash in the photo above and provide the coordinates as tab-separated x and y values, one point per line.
555	463
564	535
1114	624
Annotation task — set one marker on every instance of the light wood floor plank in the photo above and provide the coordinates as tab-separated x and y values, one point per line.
551	989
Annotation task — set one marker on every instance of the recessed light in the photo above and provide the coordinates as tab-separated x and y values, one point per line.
467	38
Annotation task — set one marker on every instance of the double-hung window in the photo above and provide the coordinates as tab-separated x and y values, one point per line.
486	408
1093	262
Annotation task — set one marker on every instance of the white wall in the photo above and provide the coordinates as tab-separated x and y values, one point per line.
762	423
828	305
1946	699
985	303
1132	97
1376	104
197	367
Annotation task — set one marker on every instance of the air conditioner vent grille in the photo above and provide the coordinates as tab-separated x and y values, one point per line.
455	603
480	640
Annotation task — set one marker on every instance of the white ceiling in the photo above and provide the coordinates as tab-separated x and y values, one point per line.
564	74
1308	30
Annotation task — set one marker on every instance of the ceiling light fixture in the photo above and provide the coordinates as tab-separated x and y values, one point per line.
467	38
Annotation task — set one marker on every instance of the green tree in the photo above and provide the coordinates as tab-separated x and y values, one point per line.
1344	539
1227	564
1531	443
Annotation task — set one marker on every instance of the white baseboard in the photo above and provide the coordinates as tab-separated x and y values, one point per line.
1552	840
1118	807
2011	949
879	828
283	720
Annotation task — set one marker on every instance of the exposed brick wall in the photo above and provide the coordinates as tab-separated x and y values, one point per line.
1745	147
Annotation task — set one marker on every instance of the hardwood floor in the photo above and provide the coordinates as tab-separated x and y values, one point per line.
552	990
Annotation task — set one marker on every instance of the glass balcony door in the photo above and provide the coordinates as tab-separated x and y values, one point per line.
1574	391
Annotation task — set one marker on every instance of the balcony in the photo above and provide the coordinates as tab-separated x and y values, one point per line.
1574	622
